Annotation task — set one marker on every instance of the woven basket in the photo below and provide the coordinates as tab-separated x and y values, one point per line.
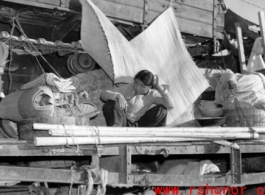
211	112
244	117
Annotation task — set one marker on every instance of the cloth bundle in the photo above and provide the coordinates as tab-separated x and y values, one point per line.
46	96
244	90
255	61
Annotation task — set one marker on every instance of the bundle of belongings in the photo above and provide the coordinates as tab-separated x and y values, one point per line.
241	90
234	91
47	96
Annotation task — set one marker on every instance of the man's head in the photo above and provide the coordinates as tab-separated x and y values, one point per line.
143	82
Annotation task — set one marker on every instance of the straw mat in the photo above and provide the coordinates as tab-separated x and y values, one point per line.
159	49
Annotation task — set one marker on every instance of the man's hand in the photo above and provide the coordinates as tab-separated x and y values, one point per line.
155	81
156	84
122	102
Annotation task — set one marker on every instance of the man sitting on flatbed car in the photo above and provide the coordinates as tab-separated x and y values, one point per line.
141	104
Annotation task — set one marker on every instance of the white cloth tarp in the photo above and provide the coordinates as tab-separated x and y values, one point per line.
255	61
248	89
159	49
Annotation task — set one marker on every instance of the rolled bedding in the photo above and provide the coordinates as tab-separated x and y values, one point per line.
36	102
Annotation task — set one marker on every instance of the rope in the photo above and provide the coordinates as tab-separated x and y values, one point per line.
29	43
11	54
97	136
239	107
32	46
89	182
101	189
248	123
71	135
103	176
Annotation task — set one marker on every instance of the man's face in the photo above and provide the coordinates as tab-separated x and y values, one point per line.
140	87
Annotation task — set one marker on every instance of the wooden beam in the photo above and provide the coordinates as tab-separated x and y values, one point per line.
26	174
120	11
202	4
193	17
197	180
36	3
10	173
24	149
242	59
262	30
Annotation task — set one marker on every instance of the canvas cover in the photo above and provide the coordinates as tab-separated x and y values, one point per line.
159	49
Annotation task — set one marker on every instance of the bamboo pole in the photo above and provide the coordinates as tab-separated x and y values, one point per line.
211	135
53	141
71	128
241	52
57	141
262	29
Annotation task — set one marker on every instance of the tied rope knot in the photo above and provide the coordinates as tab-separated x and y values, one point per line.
100	175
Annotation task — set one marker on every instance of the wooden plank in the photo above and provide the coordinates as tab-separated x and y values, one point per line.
125	164
202	4
262	30
188	17
22	149
255	148
118	11
40	175
50	2
180	180
33	3
186	12
191	27
9	173
183	11
242	59
199	180
134	3
235	166
180	150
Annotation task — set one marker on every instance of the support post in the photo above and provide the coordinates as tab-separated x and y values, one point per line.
125	170
95	160
262	30
242	60
145	15
235	166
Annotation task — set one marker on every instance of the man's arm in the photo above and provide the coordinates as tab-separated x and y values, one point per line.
165	97
109	94
115	94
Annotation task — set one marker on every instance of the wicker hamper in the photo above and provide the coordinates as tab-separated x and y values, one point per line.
256	118
244	117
